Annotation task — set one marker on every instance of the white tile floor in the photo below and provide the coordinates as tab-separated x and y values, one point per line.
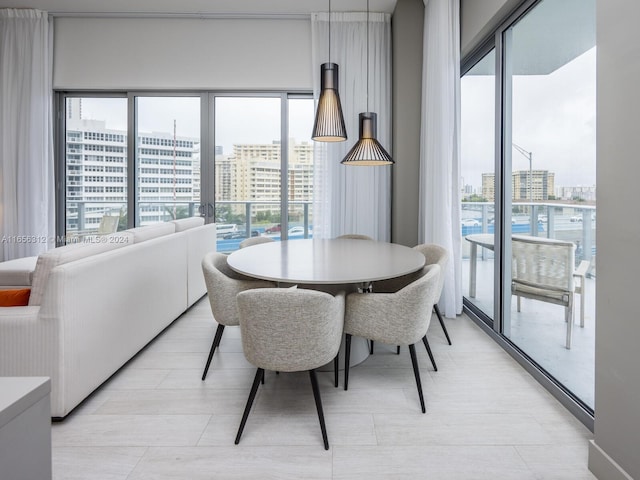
155	419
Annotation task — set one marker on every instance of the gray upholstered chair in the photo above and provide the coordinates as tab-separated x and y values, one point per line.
223	284
400	318
355	236
434	254
290	330
247	242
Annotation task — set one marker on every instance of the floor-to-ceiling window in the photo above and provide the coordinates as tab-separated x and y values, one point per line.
135	158
167	152
263	167
478	112
537	246
95	165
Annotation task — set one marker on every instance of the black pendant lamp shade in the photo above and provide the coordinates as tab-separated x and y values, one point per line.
367	151
329	123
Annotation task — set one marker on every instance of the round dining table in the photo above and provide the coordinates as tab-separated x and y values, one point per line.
330	261
328	264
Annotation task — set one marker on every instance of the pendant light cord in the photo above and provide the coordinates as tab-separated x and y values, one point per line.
330	31
367	55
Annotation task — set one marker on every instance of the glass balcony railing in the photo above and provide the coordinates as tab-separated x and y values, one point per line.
561	221
85	218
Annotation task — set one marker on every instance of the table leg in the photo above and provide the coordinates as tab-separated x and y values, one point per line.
472	270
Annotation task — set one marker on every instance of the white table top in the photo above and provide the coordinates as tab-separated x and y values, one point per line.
336	261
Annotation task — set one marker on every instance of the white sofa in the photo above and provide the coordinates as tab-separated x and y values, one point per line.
94	305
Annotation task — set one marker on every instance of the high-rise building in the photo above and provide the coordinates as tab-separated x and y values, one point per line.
536	185
252	173
168	173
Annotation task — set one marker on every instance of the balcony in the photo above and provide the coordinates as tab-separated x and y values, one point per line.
539	329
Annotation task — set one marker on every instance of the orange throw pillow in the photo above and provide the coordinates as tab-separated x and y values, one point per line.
15	298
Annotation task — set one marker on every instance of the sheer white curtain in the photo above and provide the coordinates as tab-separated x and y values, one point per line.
27	206
350	199
440	143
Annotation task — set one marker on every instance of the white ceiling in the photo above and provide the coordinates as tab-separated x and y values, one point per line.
199	7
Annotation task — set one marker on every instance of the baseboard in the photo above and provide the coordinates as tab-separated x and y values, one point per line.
603	466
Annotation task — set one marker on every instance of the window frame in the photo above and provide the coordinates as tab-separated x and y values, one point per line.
207	142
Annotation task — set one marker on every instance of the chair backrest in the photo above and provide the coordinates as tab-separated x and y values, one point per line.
247	242
223	284
400	318
434	254
355	236
290	329
542	263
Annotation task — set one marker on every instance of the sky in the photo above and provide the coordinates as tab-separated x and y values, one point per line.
554	118
238	119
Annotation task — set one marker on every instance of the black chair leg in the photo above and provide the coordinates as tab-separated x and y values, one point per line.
371	347
316	396
336	364
426	345
416	372
398	350
262	380
216	342
247	408
347	355
441	320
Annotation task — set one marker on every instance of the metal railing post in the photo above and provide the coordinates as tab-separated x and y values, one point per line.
247	218
306	220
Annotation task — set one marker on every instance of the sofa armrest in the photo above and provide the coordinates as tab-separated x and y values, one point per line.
28	344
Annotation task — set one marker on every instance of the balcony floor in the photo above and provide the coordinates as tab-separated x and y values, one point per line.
540	331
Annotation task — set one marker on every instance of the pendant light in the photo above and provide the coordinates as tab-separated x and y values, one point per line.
367	151
329	122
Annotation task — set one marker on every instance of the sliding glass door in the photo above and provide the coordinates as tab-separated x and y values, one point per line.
478	88
263	167
529	213
550	91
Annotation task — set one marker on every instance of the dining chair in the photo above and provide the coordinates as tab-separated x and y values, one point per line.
247	242
434	254
290	330
223	284
399	318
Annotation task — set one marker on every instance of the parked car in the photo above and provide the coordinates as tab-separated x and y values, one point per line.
274	229
296	231
470	222
234	235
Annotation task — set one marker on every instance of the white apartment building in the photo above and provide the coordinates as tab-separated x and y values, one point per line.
536	185
168	176
252	173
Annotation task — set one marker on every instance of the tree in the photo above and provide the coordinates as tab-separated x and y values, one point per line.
474	197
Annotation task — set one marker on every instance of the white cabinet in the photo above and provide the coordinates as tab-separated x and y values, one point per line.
25	428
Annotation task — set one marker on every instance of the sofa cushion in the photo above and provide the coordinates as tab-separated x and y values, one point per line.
18	272
141	234
187	223
15	298
68	253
